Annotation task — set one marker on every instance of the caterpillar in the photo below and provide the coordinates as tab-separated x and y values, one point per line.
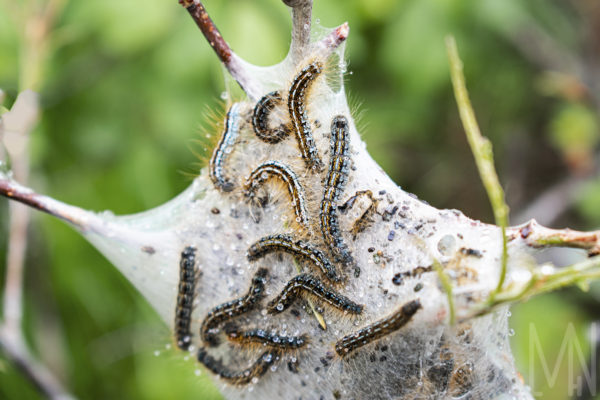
313	286
285	243
278	170
271	340
256	370
334	186
398	278
298	115
260	119
231	309
185	297
230	133
378	329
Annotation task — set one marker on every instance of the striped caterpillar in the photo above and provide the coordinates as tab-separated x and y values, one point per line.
231	309
185	297
278	170
260	118
299	118
228	138
314	287
256	370
336	180
285	243
261	336
378	329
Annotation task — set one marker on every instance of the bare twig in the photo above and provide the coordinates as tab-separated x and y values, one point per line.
301	21
482	151
542	279
74	215
16	350
535	235
230	60
15	128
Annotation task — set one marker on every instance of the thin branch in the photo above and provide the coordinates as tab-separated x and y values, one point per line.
230	60
482	151
79	217
542	279
40	376
301	26
537	236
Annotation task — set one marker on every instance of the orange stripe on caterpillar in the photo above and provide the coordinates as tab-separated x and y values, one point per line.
278	170
232	309
337	177
285	243
300	122
260	119
378	329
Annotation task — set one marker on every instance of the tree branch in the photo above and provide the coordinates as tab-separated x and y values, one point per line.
536	236
230	60
301	24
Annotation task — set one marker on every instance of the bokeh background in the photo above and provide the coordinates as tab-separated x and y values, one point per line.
125	86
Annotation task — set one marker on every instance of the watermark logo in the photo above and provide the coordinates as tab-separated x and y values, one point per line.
581	370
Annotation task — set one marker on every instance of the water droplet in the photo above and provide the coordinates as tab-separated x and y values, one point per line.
156	353
168	346
511	332
197	372
254	380
224	95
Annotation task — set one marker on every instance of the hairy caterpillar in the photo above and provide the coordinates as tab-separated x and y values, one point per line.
314	287
256	370
263	337
230	133
299	118
378	329
285	243
185	297
276	169
260	119
334	186
231	309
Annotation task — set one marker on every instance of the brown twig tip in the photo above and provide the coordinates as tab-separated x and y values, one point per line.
342	32
208	28
332	41
537	236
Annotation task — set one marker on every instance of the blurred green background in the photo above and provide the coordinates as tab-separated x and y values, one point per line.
125	86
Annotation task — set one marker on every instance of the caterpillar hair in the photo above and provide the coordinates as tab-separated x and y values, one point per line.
309	284
285	243
378	329
185	297
232	309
